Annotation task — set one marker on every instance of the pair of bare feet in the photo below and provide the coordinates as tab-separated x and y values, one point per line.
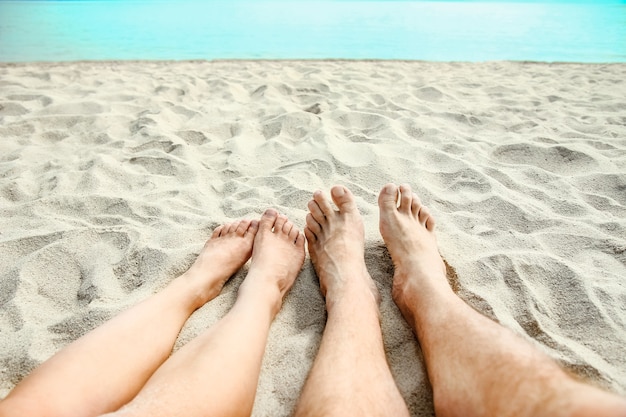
336	242
476	367
275	245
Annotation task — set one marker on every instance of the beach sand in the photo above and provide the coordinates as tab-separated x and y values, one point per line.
112	176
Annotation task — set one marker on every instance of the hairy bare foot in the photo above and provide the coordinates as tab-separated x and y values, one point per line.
336	243
229	247
408	230
277	257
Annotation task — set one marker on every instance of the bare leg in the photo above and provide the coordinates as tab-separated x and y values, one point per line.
350	375
217	373
476	367
107	367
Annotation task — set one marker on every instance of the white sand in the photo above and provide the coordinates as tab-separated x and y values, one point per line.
112	175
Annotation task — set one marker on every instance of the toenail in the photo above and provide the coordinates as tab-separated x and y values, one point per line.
339	191
389	188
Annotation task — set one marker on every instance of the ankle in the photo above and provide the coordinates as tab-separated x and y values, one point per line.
255	290
420	297
413	281
195	293
359	299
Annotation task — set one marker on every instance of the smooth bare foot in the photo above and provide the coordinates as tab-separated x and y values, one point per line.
228	249
277	258
408	230
336	242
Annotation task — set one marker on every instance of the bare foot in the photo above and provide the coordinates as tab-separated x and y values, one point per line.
277	257
229	247
336	243
408	230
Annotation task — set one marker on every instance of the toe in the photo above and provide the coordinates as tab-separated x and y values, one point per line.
430	223
416	204
312	224
406	198
424	214
310	236
316	211
388	197
426	218
242	227
230	228
300	241
293	234
343	198
323	203
217	232
268	219
253	227
280	222
287	227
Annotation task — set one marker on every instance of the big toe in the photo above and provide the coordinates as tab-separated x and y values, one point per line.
343	198
268	219
388	197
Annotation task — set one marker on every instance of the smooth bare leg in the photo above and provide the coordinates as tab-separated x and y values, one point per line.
107	367
350	375
476	367
217	373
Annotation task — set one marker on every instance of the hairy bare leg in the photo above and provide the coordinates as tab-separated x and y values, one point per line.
107	367
350	375
476	367
217	373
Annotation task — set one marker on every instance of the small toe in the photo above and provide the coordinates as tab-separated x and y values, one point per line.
310	236
293	234
316	211
424	214
416	204
430	223
230	228
323	203
406	198
300	241
242	227
287	227
217	231
253	227
312	224
280	222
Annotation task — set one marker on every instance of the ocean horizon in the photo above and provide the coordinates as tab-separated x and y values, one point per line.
443	30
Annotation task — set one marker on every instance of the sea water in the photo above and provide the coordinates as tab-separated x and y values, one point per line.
580	31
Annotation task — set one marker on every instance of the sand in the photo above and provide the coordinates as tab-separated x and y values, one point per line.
113	174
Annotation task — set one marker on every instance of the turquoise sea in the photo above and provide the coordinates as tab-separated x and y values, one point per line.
580	31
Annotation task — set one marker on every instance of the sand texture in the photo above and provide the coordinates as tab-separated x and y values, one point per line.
112	175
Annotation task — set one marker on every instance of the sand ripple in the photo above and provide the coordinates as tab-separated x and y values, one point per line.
113	174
